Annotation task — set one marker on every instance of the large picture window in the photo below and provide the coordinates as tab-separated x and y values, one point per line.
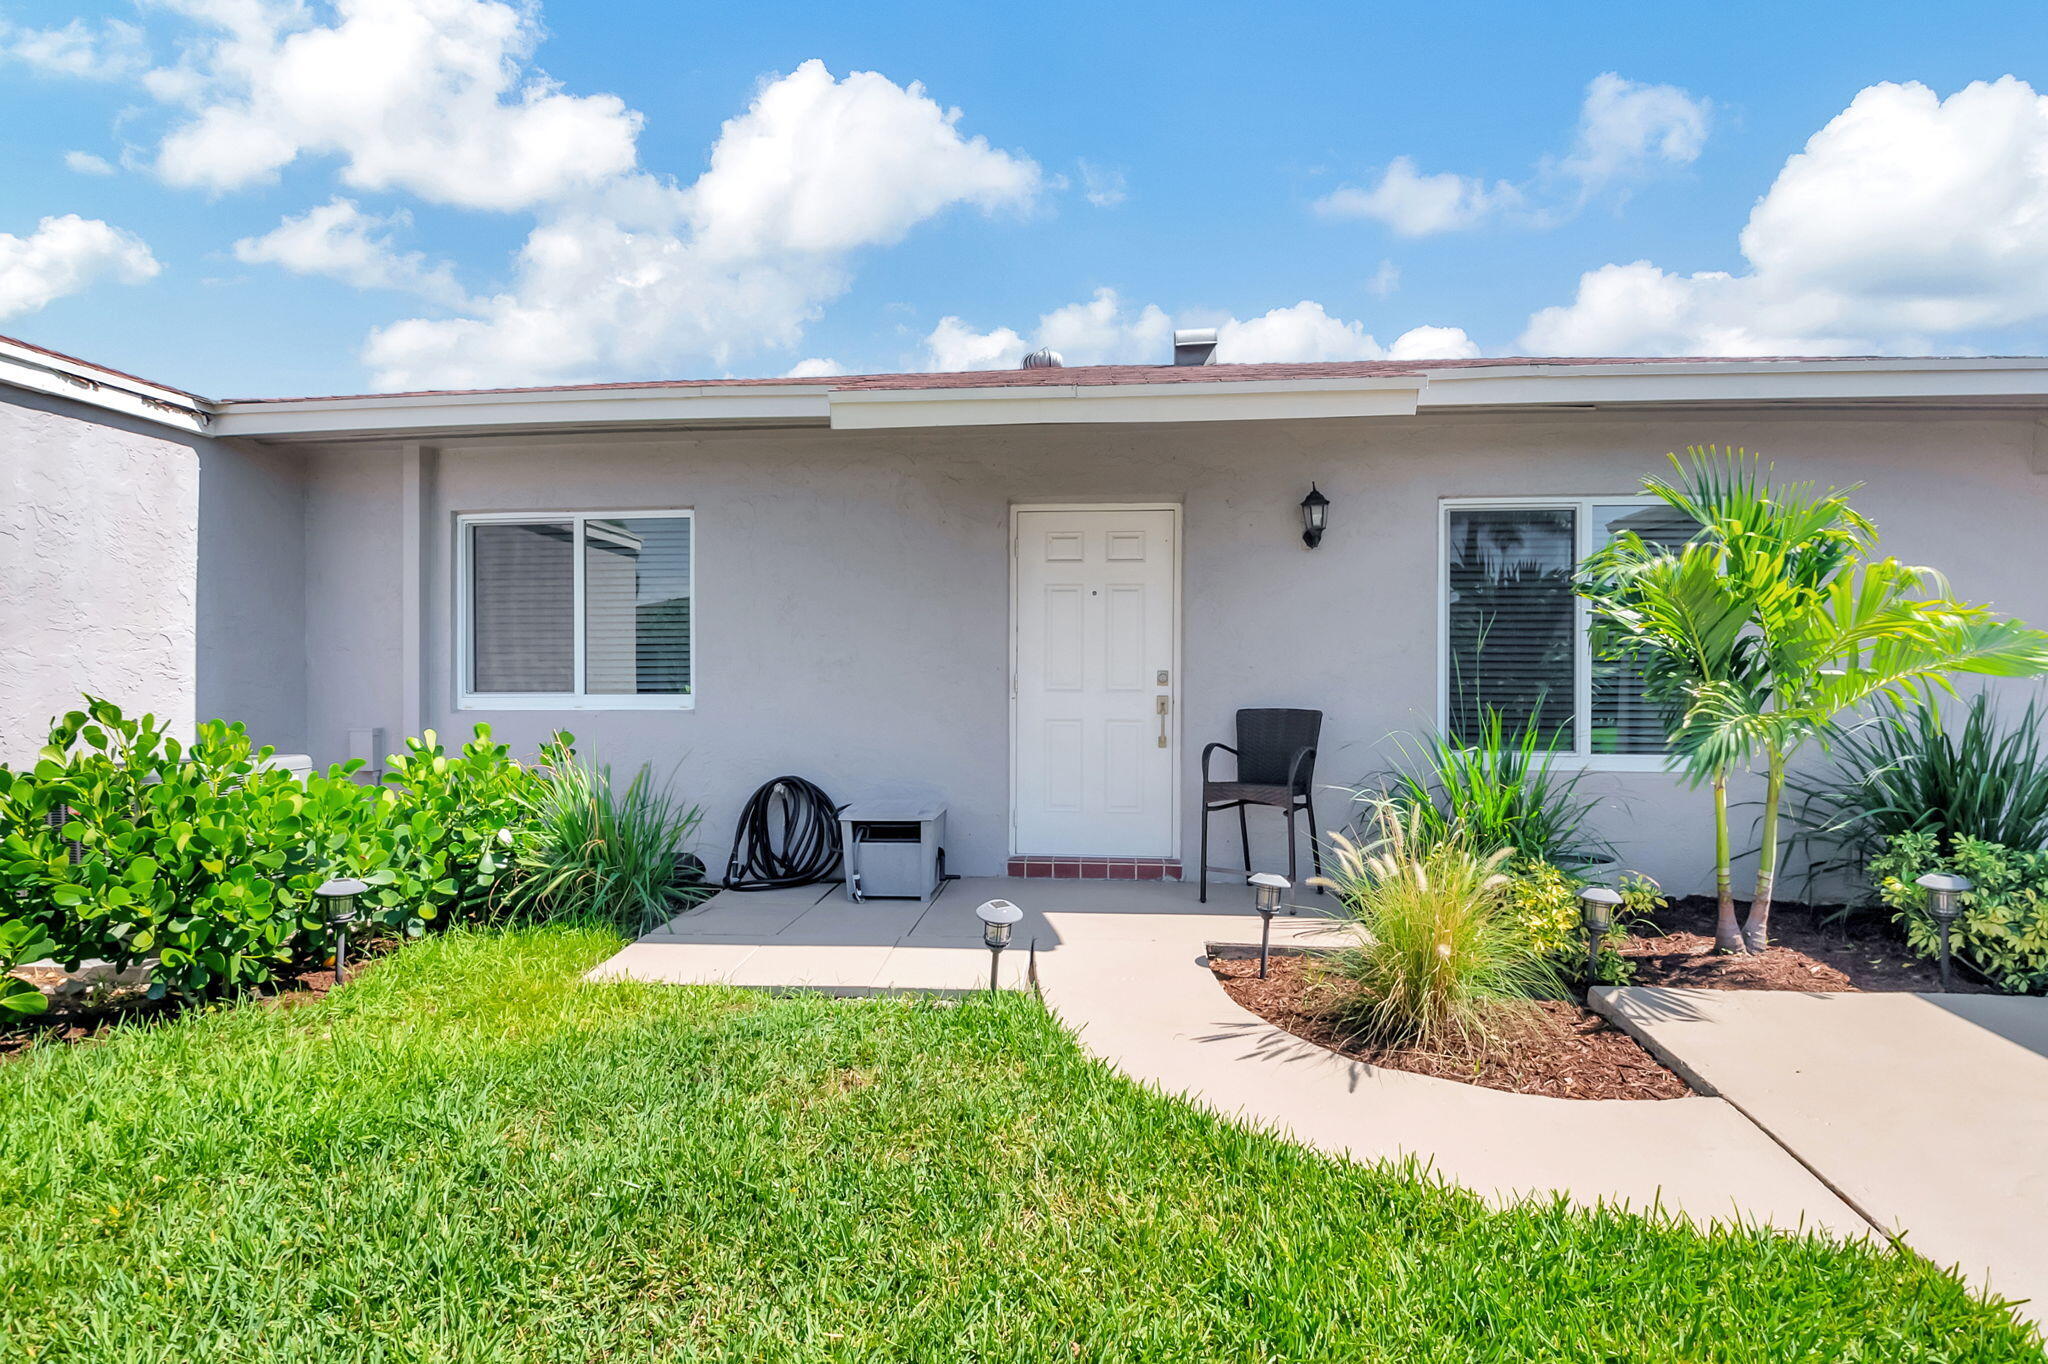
1515	633
579	612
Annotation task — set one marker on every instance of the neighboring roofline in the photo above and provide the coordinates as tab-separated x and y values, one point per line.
1081	394
66	376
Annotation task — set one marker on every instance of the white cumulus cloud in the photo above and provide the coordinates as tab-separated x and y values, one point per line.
431	97
342	242
1105	330
108	50
1907	219
85	163
64	255
642	273
1626	130
816	367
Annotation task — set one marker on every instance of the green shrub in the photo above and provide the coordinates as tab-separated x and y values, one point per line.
1502	792
590	847
441	844
1910	768
1543	899
123	844
1440	957
2003	929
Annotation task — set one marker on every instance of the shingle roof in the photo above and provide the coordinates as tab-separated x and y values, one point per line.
1089	375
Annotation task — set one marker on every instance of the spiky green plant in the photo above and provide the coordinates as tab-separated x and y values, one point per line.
1502	791
1912	768
1440	960
593	848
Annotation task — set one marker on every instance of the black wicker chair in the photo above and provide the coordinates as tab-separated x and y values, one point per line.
1276	766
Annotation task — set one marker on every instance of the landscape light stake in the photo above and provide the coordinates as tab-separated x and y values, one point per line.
340	897
1944	903
998	919
1267	888
1596	913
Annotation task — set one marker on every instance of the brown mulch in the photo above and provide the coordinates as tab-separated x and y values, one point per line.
86	1017
1861	953
1561	1050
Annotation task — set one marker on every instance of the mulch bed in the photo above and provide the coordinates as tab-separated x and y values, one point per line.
1562	1051
85	1017
1860	953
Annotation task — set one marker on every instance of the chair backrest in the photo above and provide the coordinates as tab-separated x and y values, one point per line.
1267	741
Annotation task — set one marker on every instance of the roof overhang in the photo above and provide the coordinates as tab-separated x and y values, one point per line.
1050	404
865	406
40	371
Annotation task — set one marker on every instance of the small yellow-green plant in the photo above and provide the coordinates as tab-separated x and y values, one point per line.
1544	899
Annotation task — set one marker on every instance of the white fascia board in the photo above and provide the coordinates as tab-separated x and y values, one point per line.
1043	404
1851	381
499	411
37	372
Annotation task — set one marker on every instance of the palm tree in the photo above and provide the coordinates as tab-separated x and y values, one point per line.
1768	625
1676	616
1876	629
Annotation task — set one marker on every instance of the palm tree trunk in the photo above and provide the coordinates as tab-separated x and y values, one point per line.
1756	929
1727	936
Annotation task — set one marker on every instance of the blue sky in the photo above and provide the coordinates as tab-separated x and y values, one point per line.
1320	181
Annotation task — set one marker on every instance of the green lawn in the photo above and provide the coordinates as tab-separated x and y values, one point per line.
468	1155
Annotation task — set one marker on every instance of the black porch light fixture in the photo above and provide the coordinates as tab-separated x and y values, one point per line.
1315	516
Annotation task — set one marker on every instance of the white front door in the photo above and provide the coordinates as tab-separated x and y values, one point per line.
1096	719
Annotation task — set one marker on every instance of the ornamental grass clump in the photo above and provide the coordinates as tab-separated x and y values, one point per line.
1440	960
592	847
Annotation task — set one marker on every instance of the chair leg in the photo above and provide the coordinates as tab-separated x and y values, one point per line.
1291	874
1315	841
1204	875
1244	839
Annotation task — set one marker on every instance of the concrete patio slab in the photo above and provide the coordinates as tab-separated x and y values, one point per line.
1926	1112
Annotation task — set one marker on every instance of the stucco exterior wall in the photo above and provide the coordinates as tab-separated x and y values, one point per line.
853	610
159	570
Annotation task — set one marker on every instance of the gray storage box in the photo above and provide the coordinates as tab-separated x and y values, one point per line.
894	850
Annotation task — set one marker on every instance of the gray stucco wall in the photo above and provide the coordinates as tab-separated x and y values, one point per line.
157	569
852	604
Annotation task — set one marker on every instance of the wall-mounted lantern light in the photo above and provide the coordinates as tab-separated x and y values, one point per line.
1945	892
998	919
1315	517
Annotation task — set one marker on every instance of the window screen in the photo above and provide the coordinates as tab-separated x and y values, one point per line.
1512	620
533	634
522	607
1621	720
636	589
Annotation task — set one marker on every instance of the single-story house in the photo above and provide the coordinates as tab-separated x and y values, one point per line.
1035	595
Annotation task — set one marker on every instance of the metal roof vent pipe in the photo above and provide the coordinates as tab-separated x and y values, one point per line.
1046	358
1194	346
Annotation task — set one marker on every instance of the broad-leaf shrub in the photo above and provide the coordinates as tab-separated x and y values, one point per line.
2003	929
123	844
1544	900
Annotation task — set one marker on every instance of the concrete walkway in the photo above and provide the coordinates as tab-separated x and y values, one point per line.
1124	966
1928	1113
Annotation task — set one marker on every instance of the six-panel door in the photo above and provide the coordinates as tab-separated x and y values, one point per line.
1096	697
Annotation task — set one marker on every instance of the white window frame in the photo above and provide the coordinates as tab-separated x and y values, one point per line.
467	698
1581	754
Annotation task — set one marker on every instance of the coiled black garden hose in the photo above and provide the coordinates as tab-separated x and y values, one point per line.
799	849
